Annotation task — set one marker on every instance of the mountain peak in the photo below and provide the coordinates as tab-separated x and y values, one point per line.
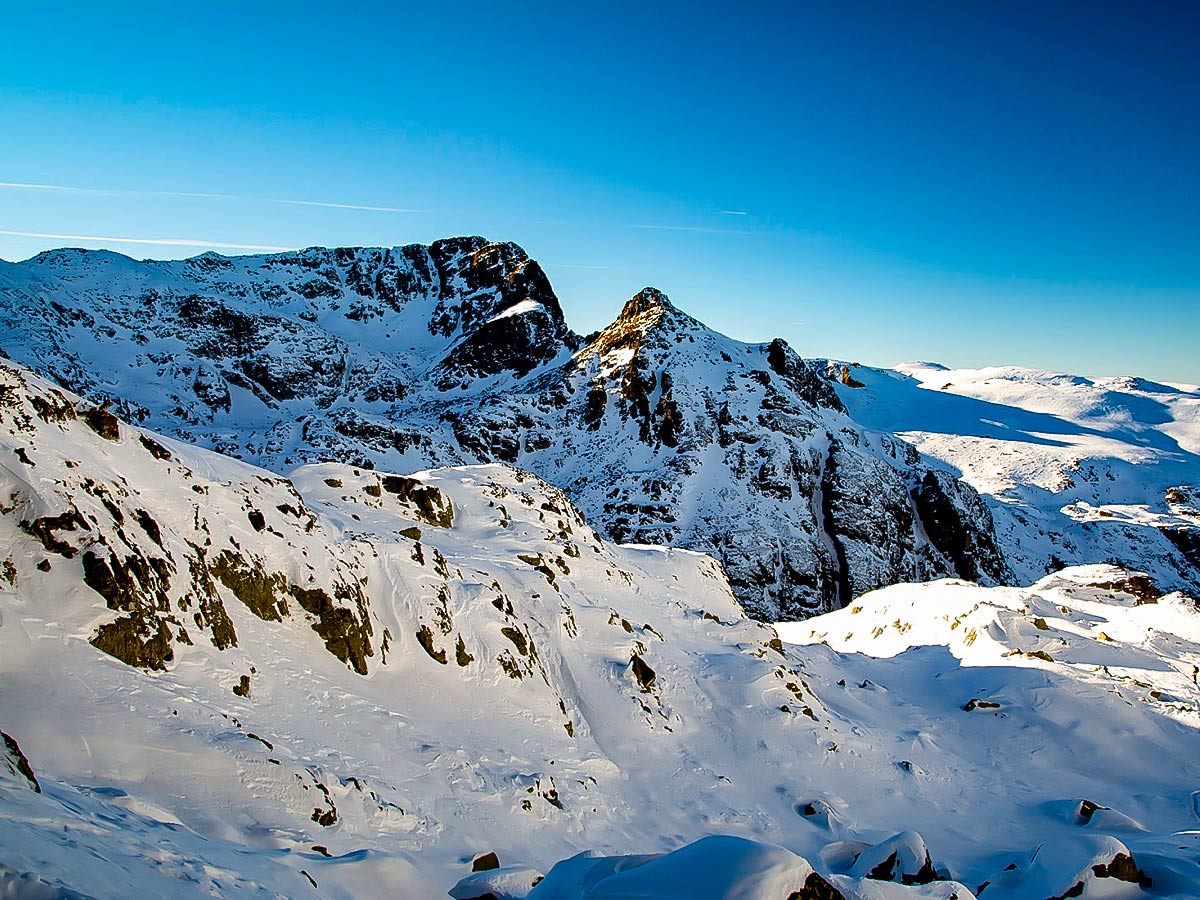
645	312
647	300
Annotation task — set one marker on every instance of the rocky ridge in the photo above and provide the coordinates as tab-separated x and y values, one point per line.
659	429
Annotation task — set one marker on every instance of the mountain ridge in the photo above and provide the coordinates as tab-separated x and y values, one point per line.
662	430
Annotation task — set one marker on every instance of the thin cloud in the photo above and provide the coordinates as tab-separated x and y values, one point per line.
701	229
162	242
198	195
22	186
734	212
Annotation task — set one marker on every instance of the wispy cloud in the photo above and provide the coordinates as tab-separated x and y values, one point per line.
701	229
162	242
22	186
199	195
322	204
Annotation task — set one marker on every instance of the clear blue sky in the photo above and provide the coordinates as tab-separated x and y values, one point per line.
973	183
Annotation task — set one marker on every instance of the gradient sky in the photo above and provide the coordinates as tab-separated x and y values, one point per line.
971	183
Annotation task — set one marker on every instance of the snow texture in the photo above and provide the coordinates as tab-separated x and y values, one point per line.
351	684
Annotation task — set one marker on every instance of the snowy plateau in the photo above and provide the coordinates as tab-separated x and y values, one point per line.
356	573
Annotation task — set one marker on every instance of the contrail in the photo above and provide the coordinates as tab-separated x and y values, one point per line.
324	204
697	228
198	195
165	242
21	186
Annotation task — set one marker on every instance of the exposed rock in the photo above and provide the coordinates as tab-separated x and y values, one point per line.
973	552
157	450
263	594
242	688
485	861
425	639
16	763
431	505
346	636
1187	541
903	858
137	640
103	422
975	703
816	888
642	673
44	528
1122	868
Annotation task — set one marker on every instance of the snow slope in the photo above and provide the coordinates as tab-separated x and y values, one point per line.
347	684
1075	470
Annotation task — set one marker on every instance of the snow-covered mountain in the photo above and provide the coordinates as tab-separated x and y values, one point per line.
1075	470
217	681
659	429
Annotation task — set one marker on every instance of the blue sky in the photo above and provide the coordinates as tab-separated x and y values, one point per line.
976	183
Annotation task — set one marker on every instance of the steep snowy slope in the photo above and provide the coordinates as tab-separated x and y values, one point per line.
661	430
215	681
1075	470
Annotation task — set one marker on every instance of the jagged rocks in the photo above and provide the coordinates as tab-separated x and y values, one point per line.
346	636
816	888
642	673
137	586
425	639
262	593
43	529
16	763
431	505
103	422
138	639
949	525
1187	542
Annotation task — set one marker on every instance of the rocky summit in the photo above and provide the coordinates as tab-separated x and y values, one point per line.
659	429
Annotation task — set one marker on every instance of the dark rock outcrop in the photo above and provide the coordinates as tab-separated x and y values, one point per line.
16	763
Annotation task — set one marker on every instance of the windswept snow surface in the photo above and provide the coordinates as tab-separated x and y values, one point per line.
1042	740
1075	470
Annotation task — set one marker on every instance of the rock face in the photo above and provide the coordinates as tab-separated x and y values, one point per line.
661	430
15	763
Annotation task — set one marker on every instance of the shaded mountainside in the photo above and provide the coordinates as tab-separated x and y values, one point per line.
359	684
661	430
1075	470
